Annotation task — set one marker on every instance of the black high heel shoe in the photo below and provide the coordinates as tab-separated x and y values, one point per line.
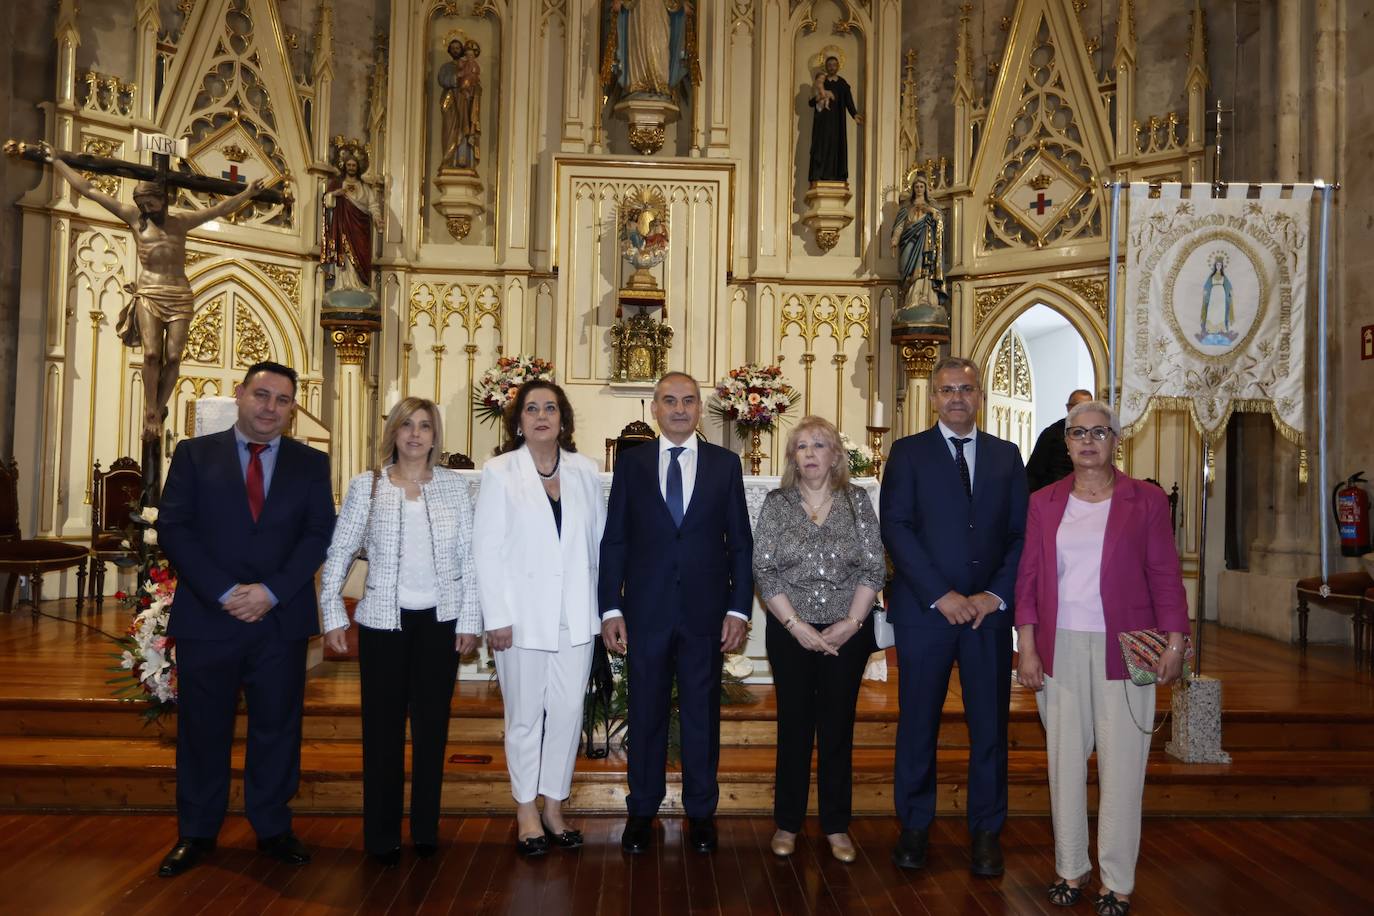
566	839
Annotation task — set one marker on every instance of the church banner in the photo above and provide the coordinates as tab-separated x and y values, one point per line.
1216	305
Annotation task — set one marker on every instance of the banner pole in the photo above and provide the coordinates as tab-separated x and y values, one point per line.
1111	298
1320	501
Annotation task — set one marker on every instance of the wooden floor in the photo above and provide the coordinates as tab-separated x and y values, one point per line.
1300	728
74	864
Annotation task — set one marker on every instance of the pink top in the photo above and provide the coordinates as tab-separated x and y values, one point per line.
1078	558
1140	584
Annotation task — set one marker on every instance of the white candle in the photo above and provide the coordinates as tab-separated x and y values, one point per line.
878	413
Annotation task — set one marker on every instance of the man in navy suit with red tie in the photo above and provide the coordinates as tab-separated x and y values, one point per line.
245	519
953	513
676	577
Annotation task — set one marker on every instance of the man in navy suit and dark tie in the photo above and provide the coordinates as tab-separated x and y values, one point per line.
676	575
245	519
953	518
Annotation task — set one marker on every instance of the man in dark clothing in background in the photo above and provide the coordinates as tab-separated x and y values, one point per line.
1049	462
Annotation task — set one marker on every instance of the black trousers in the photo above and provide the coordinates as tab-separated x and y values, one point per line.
816	696
407	670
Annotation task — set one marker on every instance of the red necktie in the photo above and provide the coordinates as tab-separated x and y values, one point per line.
254	479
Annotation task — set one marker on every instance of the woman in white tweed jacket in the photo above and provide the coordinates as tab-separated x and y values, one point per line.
419	614
539	521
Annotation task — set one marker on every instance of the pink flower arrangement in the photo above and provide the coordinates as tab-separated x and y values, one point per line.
753	397
498	385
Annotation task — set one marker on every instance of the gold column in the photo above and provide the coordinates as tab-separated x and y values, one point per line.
919	357
471	350
839	359
350	435
806	360
438	350
97	316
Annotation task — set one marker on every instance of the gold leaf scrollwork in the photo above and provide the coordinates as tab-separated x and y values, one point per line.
287	279
206	334
1092	289
250	340
195	257
102	146
985	300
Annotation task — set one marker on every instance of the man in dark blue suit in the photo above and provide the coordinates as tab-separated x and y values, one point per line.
676	574
953	519
245	520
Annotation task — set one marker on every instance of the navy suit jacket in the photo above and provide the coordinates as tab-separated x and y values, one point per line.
939	541
208	533
657	573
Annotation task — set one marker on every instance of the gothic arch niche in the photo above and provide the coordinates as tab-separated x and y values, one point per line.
1082	316
819	28
239	320
483	23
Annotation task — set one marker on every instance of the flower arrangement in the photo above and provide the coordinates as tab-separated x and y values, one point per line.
498	385
755	398
860	462
147	661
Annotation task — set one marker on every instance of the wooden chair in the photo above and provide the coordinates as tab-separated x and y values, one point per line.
458	462
114	495
1347	594
32	558
635	433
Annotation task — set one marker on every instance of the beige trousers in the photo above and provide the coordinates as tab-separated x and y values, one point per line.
1081	710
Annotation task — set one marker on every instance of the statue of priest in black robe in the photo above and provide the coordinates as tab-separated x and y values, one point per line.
829	132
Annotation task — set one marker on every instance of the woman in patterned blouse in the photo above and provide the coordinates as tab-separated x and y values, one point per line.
818	565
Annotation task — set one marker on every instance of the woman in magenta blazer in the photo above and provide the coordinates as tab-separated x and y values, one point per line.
1099	560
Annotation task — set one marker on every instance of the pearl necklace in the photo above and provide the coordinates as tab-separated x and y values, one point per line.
557	459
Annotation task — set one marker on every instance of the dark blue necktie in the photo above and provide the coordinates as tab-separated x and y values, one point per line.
674	494
962	463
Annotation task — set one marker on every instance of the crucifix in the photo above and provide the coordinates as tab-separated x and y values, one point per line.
158	315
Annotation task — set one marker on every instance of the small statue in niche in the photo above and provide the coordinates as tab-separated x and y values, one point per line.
918	243
460	104
643	239
829	131
352	210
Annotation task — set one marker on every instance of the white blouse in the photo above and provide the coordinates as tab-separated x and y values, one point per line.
417	589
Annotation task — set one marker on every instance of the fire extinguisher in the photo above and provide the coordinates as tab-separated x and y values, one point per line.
1350	506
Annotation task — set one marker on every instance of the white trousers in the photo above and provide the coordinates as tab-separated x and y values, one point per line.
542	692
1081	710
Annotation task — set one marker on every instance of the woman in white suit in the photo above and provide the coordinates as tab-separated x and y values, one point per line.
537	530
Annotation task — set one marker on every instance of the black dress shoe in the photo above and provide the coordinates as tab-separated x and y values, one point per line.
285	847
701	833
532	846
564	839
910	851
987	854
638	834
389	859
188	851
426	850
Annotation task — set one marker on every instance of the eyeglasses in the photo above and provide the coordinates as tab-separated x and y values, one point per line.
1100	433
951	390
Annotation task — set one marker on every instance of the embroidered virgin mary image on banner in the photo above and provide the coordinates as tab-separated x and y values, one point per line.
1216	305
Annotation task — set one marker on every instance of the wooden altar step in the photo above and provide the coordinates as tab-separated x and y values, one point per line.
131	774
477	718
